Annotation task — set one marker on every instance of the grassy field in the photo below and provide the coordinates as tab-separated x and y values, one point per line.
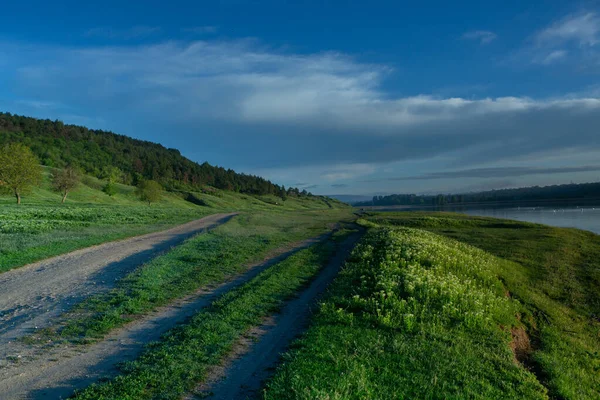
31	233
554	274
175	365
412	315
202	260
42	227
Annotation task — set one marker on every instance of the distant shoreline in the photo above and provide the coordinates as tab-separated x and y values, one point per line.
488	204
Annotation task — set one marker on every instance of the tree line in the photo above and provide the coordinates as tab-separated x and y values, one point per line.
119	158
583	191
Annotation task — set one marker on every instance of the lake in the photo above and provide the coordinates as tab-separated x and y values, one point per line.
582	217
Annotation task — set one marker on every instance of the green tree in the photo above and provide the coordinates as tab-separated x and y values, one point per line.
20	169
110	189
112	174
149	191
283	193
65	180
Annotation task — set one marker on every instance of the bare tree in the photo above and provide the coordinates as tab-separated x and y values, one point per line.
66	180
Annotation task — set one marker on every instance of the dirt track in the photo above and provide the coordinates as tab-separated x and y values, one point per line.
34	294
57	373
254	360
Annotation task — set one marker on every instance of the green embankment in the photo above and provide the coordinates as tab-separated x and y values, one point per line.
412	315
174	366
41	227
554	274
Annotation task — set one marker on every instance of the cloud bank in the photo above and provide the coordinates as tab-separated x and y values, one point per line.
273	109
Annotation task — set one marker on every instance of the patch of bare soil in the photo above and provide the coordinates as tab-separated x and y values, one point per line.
520	345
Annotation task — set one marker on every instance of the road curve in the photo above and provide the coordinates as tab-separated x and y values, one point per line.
32	295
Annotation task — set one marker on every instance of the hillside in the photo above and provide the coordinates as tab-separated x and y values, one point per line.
98	153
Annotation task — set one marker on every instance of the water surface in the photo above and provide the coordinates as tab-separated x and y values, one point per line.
586	218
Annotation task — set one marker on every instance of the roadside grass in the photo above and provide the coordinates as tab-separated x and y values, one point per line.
200	261
411	315
32	233
175	365
555	274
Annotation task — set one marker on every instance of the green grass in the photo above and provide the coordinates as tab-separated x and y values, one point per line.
42	227
31	233
555	274
175	365
200	261
412	315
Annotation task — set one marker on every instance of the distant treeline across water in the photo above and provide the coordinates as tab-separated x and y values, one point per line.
556	195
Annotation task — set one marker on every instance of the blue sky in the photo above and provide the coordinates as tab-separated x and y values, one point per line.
339	97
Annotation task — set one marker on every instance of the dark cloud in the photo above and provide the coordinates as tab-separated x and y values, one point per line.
339	185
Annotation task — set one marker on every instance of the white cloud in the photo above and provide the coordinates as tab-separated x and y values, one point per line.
240	81
347	171
553	57
484	37
583	29
571	40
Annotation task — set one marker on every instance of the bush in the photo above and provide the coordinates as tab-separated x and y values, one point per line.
110	189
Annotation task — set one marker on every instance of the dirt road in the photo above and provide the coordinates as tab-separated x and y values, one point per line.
244	376
32	295
55	374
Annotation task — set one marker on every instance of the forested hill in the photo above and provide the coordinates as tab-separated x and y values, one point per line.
570	192
103	154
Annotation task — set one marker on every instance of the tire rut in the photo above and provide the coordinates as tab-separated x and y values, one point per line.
57	373
254	361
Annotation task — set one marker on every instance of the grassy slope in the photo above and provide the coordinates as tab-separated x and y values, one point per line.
42	227
555	274
412	315
175	365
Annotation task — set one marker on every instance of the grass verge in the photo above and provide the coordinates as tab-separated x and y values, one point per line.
412	315
32	233
175	365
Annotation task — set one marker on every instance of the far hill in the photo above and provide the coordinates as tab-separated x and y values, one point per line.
584	192
102	154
